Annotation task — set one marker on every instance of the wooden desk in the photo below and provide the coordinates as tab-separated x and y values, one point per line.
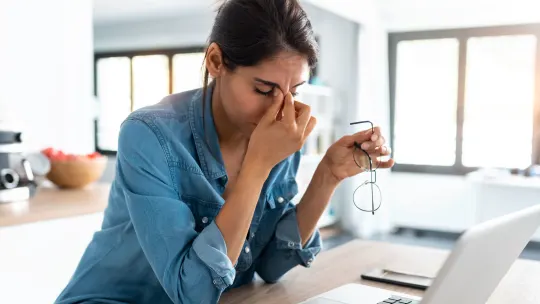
52	203
344	265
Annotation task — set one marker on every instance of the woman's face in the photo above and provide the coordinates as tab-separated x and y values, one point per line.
247	92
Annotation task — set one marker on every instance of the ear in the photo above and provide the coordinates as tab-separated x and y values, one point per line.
214	60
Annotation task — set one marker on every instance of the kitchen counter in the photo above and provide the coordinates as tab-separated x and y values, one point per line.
42	254
52	203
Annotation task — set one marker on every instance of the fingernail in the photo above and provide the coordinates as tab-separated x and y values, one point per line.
374	137
365	146
276	93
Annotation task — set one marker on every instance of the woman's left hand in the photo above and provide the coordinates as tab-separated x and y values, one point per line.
339	161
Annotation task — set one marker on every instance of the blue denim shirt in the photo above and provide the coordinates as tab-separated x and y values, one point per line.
158	242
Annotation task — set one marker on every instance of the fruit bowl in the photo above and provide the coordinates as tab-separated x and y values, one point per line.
74	171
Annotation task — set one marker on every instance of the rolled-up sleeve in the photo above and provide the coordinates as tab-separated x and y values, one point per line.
285	250
210	247
191	267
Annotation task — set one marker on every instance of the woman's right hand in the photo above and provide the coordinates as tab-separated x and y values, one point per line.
277	135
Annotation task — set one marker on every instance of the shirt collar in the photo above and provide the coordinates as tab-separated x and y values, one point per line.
206	139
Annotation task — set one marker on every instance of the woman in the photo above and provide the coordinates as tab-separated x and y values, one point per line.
201	199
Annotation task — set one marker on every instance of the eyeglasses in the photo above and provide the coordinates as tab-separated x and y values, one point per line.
367	197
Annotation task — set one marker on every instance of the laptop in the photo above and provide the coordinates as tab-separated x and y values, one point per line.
480	259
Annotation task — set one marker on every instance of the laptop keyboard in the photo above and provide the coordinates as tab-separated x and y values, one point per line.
398	300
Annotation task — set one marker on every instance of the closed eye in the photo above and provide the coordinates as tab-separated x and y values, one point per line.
265	93
271	92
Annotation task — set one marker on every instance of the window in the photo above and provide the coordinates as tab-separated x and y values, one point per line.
150	79
499	101
127	81
427	72
114	91
187	73
470	94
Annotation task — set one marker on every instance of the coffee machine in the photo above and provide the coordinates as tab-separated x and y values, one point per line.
16	176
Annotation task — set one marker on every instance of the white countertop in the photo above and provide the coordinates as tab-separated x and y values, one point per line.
38	259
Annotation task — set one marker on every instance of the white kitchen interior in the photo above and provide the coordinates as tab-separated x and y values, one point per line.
369	69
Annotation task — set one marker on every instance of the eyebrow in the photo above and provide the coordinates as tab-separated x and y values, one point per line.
273	84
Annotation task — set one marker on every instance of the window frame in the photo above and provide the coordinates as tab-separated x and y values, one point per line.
130	54
462	35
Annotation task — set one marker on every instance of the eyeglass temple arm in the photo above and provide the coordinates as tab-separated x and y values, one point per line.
363	122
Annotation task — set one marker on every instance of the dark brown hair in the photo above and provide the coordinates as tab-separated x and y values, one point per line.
250	31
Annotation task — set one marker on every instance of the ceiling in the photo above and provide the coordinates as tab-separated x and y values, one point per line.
396	15
403	15
106	11
112	11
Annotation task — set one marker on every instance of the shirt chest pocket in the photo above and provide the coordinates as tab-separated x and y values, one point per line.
204	212
282	193
279	199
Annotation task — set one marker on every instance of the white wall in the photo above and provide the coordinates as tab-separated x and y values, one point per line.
339	69
46	71
432	202
368	100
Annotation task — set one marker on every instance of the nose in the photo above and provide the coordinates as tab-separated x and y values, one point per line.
279	89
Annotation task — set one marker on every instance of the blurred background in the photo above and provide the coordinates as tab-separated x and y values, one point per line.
454	85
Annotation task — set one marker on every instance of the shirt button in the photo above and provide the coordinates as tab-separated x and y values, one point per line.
280	200
246	250
252	234
291	244
205	220
215	282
